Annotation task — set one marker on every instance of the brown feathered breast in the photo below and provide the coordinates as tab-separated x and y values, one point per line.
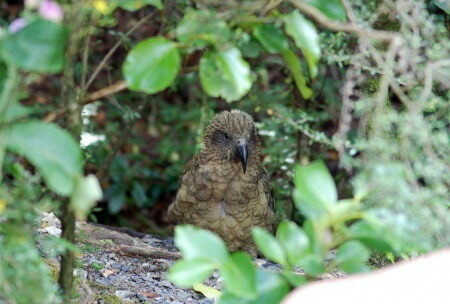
214	191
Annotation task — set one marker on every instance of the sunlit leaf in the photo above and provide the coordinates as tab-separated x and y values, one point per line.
87	191
305	37
39	47
295	68
185	273
225	74
239	275
333	9
152	65
51	149
208	292
269	245
314	189
197	243
271	38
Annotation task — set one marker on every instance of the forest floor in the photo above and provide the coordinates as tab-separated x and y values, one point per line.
119	265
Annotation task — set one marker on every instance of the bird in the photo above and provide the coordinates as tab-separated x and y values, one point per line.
225	188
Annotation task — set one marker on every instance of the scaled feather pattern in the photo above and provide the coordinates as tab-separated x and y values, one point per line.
225	188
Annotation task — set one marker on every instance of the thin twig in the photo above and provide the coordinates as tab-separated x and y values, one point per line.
112	89
116	46
337	26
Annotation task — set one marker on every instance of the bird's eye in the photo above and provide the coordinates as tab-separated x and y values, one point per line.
226	135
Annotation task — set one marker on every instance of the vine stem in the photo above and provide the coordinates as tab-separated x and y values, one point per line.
7	97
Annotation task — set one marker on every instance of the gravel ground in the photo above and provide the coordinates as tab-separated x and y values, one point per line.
106	275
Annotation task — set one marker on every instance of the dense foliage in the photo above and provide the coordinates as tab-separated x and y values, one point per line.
362	86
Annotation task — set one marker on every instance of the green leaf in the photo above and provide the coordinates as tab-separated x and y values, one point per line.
152	65
444	5
17	111
209	292
134	5
51	149
315	190
239	275
197	29
87	191
225	74
139	195
269	245
294	241
371	235
115	194
271	38
186	273
352	255
250	48
200	243
305	37
38	47
333	9
294	279
312	264
295	68
271	288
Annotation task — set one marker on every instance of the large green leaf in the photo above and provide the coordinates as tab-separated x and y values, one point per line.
305	37
87	191
200	243
315	190
134	5
17	111
197	29
294	240
371	235
39	47
186	273
51	149
269	245
333	9
271	38
271	288
295	68
152	65
443	4
352	255
312	264
239	275
224	73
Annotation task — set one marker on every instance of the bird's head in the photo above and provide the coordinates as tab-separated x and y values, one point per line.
231	135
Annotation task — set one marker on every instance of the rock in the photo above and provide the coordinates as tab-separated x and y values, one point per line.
125	268
53	230
141	298
81	273
124	294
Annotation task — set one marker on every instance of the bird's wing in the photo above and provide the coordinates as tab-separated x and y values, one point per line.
192	164
268	190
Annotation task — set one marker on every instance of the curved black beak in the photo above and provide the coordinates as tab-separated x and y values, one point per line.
243	154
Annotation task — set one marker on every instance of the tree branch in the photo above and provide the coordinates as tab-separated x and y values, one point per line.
338	26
